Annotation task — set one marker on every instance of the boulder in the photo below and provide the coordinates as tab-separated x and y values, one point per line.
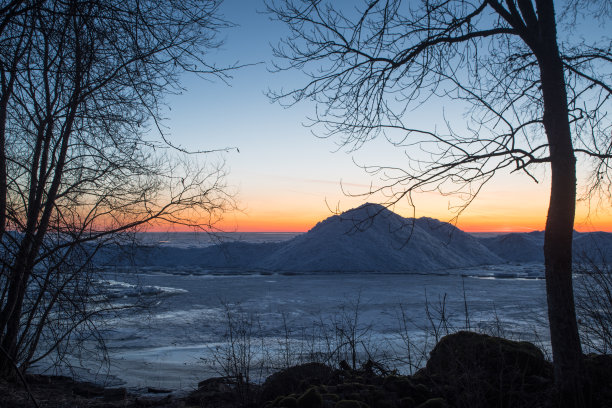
310	399
478	370
217	390
295	380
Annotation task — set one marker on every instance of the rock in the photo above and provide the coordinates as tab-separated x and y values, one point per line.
87	389
295	379
434	403
48	379
463	350
477	370
219	390
218	384
348	404
406	387
331	397
287	402
349	388
383	403
115	394
310	399
148	402
407	402
152	390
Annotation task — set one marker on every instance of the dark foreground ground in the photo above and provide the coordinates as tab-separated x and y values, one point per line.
464	370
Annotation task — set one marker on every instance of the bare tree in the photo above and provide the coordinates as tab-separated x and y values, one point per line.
82	87
536	96
594	302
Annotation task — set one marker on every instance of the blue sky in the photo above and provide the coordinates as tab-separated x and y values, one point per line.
284	176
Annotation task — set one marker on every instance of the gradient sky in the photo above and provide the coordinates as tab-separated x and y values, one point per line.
286	179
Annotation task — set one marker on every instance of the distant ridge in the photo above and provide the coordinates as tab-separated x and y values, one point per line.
517	246
529	246
367	238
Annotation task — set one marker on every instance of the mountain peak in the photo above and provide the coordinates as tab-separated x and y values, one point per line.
367	210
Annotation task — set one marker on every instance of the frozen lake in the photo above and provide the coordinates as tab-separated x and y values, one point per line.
182	336
199	323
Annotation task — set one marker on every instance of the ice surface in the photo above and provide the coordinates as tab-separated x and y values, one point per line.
113	289
182	334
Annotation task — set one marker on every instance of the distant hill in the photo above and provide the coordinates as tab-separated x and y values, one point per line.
517	247
367	238
373	238
596	246
529	246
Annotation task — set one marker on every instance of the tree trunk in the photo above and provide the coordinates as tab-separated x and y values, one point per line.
565	341
10	322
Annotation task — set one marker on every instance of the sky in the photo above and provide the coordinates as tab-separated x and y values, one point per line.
287	179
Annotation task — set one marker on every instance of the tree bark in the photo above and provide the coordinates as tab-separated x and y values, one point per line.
565	341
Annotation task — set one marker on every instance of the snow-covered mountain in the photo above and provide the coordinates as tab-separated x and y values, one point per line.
517	247
593	246
373	238
529	246
367	238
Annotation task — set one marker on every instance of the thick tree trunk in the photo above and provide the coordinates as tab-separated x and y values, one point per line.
567	353
565	342
11	313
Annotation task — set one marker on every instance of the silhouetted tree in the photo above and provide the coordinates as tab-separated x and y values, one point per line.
594	302
81	87
535	97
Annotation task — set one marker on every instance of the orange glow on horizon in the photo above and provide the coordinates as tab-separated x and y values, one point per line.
305	222
502	209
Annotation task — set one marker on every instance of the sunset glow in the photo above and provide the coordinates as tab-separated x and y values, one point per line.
519	216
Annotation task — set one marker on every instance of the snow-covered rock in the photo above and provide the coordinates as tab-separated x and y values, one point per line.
373	238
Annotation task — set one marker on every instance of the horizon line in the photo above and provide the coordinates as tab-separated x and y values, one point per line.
498	232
